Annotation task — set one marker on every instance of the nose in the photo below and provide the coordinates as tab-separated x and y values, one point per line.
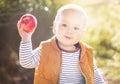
69	30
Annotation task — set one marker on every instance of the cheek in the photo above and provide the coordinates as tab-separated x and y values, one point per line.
78	36
58	30
55	28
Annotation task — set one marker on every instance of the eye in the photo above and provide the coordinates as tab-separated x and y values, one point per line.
76	28
64	25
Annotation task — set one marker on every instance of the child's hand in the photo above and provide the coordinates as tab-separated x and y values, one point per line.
25	36
26	26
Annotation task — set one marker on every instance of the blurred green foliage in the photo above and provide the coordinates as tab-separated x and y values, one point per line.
102	33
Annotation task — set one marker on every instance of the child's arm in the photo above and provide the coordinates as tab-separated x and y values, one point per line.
28	58
98	78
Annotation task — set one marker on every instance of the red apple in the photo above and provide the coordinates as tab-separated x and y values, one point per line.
29	21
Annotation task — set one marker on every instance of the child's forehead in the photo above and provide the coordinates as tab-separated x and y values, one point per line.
72	17
71	12
77	13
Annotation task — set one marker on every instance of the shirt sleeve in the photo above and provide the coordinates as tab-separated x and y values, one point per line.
28	58
98	78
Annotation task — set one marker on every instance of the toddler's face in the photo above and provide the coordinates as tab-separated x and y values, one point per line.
69	28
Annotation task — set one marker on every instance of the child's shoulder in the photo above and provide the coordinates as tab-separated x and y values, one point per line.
48	42
87	46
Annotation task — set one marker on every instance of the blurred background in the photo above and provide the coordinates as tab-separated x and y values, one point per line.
102	33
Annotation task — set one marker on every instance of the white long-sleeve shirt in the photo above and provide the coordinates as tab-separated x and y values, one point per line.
69	75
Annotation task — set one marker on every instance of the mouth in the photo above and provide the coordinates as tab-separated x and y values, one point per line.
68	37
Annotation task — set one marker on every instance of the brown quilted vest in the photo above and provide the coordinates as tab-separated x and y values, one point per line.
48	71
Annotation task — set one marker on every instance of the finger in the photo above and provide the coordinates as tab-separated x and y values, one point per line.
22	26
18	24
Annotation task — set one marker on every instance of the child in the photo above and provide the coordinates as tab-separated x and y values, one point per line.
63	59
